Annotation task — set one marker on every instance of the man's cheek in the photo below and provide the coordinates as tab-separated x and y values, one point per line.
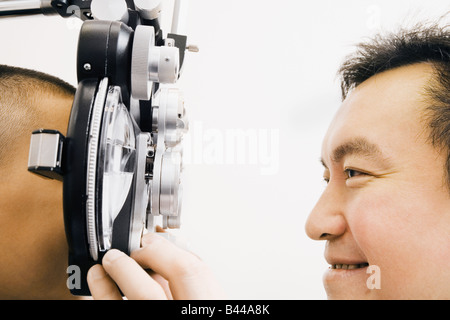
375	222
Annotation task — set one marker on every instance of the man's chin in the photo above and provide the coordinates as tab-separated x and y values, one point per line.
347	285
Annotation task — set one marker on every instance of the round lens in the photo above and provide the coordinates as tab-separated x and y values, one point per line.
118	153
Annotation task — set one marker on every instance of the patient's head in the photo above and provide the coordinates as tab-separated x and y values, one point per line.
33	262
386	160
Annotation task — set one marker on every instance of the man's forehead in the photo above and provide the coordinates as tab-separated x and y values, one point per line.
383	109
400	89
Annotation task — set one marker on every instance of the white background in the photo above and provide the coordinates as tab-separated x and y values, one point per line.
263	66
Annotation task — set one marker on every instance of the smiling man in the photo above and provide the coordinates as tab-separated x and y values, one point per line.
386	207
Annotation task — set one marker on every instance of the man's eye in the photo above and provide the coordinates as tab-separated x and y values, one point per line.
350	173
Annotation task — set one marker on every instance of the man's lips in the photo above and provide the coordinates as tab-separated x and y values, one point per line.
345	256
352	266
345	262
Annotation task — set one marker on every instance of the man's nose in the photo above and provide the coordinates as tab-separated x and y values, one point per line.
327	221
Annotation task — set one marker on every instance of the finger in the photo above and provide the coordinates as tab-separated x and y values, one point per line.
188	276
162	282
101	285
134	282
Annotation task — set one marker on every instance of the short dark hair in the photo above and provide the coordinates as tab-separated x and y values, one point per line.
423	43
20	90
42	79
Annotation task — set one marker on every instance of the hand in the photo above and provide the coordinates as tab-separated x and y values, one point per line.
176	274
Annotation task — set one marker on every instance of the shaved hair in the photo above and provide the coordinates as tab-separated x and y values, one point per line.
21	91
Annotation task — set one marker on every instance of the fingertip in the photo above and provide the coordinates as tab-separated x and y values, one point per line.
96	272
112	255
101	285
150	238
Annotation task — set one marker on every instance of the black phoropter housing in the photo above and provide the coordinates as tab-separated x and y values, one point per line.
104	46
105	53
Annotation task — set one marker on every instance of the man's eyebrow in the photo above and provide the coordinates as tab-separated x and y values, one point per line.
356	146
323	163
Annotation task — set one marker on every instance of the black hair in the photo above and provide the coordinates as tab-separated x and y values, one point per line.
20	92
423	43
8	72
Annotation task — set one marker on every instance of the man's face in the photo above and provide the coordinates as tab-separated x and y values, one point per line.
386	203
33	259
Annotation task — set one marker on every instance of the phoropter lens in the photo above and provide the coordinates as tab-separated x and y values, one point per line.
118	150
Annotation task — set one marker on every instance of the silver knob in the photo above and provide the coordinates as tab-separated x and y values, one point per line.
170	192
171	101
144	40
110	10
164	64
148	9
150	63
